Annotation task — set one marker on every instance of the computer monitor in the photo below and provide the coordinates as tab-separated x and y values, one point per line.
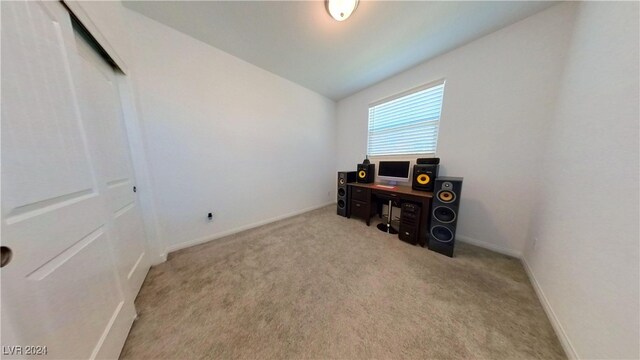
393	171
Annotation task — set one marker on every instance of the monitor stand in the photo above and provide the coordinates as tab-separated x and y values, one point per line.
387	227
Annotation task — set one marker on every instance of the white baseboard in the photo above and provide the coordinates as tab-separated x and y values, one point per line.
489	246
159	259
569	350
219	235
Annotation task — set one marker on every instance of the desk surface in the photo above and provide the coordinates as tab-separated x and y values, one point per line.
396	189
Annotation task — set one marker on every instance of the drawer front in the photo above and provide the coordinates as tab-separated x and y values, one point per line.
359	208
360	194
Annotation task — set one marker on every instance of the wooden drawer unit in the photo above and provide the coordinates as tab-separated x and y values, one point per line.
360	194
361	210
365	199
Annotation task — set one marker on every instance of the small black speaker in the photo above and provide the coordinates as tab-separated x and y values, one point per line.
344	177
366	173
424	177
428	161
444	214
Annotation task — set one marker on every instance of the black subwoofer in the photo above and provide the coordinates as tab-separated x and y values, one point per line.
344	177
444	214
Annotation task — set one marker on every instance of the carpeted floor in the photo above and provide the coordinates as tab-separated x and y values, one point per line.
319	286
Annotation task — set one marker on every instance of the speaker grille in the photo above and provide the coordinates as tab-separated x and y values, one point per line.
446	196
441	234
444	214
342	191
423	179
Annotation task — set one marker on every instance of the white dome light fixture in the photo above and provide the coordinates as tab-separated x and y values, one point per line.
341	9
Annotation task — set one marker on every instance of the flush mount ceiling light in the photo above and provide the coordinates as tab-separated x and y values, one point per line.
340	9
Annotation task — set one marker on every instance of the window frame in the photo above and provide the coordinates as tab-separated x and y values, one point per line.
441	81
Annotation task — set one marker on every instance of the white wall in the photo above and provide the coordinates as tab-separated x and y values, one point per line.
497	103
227	137
585	260
541	118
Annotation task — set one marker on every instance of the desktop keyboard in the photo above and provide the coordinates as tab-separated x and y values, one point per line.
386	186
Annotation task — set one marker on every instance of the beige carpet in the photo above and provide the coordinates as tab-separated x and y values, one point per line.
321	286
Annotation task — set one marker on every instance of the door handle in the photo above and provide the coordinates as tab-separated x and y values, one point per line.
5	256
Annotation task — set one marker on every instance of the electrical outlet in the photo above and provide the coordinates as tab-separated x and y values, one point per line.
210	216
328	193
535	242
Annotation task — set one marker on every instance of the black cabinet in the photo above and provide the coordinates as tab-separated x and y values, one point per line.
409	223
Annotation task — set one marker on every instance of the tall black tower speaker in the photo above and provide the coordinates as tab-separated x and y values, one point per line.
344	177
444	214
366	173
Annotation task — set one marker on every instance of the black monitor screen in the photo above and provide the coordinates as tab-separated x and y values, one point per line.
399	169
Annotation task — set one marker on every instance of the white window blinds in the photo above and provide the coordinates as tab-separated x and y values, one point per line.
406	123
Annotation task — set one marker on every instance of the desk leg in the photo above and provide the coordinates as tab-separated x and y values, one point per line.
369	214
425	219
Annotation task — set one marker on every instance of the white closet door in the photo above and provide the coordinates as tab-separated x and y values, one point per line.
62	287
102	115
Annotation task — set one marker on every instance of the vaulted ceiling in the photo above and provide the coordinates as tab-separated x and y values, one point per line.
300	42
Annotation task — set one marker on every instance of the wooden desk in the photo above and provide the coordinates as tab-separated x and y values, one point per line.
361	198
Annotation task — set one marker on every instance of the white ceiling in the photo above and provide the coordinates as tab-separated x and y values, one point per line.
300	42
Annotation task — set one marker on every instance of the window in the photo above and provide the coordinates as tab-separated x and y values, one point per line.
406	123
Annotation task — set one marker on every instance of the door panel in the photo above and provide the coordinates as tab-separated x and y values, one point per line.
101	111
45	233
120	194
62	288
129	227
86	313
102	114
45	128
